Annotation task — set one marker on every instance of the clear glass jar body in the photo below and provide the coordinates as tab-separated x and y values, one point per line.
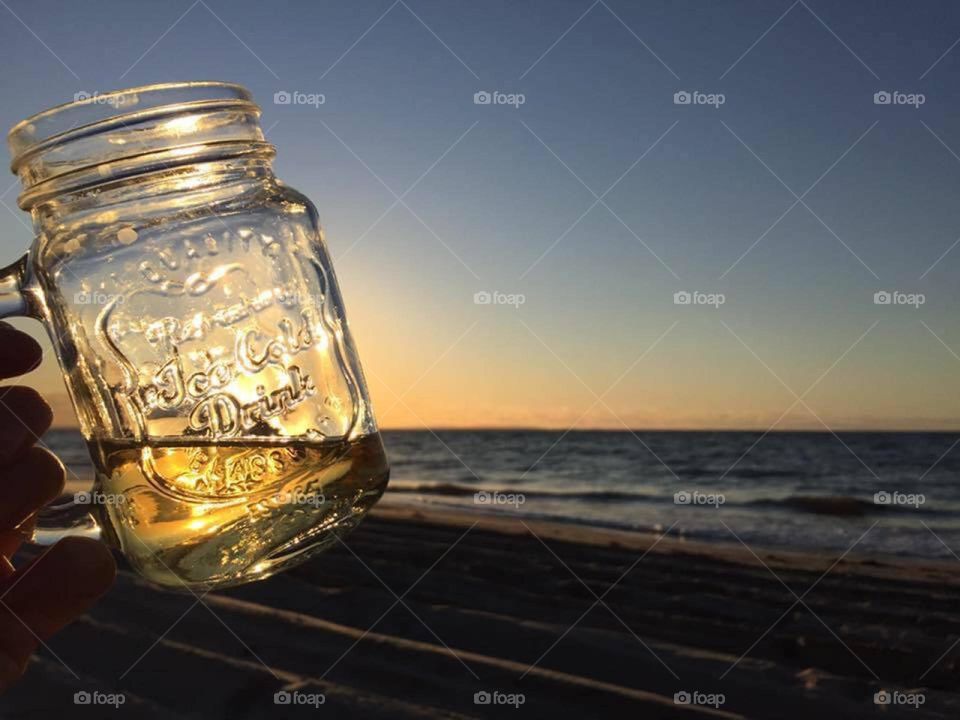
197	319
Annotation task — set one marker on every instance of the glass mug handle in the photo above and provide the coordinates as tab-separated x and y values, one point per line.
60	520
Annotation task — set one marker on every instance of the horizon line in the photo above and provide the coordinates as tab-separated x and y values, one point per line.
543	429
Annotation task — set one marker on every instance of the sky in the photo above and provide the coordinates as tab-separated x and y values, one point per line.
587	194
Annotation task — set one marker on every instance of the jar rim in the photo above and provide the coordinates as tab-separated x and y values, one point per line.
88	112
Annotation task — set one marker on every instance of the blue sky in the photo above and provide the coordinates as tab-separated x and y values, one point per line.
509	199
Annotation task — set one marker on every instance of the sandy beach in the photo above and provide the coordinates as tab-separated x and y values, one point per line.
417	612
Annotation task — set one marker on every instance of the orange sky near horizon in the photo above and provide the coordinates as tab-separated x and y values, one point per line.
675	386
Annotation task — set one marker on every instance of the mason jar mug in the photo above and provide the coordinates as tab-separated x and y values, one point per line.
196	318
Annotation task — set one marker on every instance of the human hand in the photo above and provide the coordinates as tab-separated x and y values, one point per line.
42	596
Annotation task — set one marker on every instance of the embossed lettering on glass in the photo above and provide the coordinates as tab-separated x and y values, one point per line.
198	323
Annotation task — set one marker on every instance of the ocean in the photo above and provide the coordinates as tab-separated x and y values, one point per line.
898	493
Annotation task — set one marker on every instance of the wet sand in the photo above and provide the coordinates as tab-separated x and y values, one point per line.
419	611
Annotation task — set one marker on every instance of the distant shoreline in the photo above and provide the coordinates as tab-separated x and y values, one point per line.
640	541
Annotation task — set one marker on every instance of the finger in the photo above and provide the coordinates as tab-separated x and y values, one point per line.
10	542
19	353
33	480
48	594
24	417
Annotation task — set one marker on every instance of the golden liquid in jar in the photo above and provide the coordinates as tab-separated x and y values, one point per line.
188	513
